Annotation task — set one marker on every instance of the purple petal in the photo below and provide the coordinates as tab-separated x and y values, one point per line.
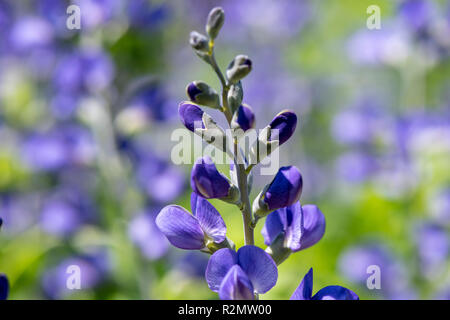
4	287
245	117
335	293
191	116
285	189
304	290
294	230
272	227
218	266
236	286
209	218
181	228
259	267
313	226
193	91
207	181
283	126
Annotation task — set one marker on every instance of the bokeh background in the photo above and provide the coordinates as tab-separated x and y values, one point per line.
86	117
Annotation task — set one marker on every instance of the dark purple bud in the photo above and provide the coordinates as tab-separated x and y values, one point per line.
191	116
284	190
207	181
215	22
4	287
283	126
243	118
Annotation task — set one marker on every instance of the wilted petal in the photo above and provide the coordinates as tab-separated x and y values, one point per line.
259	267
304	290
207	181
4	287
191	116
181	228
209	218
283	126
313	226
218	266
335	293
285	189
236	286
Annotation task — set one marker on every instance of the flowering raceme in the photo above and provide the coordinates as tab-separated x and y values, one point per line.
289	226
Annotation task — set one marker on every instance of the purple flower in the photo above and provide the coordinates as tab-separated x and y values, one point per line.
4	287
192	232
30	33
304	291
283	126
433	244
244	118
355	261
146	235
58	147
240	275
416	13
207	181
93	268
299	226
191	116
284	190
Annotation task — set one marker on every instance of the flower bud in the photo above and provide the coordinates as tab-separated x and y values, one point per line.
235	96
191	116
238	68
201	93
199	42
215	22
209	183
243	118
284	190
283	126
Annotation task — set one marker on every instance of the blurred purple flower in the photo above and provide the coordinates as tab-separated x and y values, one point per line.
237	276
30	32
433	245
354	263
355	167
145	14
94	269
145	234
96	13
416	13
65	211
304	291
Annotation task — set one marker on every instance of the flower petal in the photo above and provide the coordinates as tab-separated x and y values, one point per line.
259	267
272	227
236	286
218	266
209	218
335	293
313	226
283	126
207	181
4	287
285	189
191	116
294	230
181	228
304	290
